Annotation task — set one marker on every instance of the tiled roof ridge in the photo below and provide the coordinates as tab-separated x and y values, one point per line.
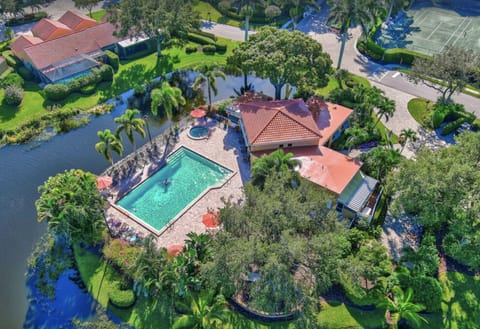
316	132
68	35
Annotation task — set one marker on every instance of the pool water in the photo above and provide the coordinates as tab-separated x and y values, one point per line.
198	132
161	197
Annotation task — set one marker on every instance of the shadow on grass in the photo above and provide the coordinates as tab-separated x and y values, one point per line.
8	112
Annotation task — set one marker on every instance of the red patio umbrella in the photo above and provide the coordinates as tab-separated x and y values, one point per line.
174	250
104	182
210	219
198	113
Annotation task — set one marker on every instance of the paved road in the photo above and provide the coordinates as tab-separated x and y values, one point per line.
225	31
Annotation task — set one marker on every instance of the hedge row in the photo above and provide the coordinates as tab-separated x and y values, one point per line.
387	56
205	34
58	92
450	127
200	39
11	59
113	60
27	18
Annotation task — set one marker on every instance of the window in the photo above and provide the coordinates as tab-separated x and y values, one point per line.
280	146
289	145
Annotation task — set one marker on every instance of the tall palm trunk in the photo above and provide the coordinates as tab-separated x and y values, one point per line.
342	49
247	26
209	95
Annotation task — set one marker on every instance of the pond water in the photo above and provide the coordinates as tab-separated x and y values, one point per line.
23	168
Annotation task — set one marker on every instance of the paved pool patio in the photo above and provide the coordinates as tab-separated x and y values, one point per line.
222	146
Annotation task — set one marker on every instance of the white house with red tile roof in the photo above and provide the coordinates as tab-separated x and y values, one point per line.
71	46
304	131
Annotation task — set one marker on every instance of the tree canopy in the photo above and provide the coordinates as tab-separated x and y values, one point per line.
442	189
452	68
71	204
283	57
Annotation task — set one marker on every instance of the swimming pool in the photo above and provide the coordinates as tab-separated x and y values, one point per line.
163	196
198	132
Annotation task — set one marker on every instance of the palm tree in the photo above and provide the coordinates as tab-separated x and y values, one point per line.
206	311
108	142
209	72
406	135
346	13
168	96
148	267
399	306
276	162
386	108
130	124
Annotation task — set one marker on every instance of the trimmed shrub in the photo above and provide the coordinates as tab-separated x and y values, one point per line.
371	49
13	95
476	125
401	56
6	73
350	83
191	49
427	291
450	127
25	73
13	79
11	59
220	48
56	92
206	34
200	39
113	60
106	73
88	90
122	298
209	49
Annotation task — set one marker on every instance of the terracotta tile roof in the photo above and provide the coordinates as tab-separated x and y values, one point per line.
278	121
23	42
325	167
329	118
83	42
47	29
77	21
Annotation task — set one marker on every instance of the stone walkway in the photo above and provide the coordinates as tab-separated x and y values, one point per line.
223	146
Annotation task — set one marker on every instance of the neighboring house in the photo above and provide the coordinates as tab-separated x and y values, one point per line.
61	50
304	129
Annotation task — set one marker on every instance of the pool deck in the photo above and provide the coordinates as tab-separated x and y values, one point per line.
222	146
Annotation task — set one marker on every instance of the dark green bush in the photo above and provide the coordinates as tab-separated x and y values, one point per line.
206	34
113	60
200	39
122	298
56	92
106	73
191	49
427	292
11	59
450	127
13	79
476	125
401	56
220	48
371	49
209	49
88	90
25	73
13	95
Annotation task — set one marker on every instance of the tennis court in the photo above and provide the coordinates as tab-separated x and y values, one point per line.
430	29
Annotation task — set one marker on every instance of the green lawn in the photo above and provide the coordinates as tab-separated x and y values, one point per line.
204	8
98	15
421	110
461	300
333	84
338	315
130	74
